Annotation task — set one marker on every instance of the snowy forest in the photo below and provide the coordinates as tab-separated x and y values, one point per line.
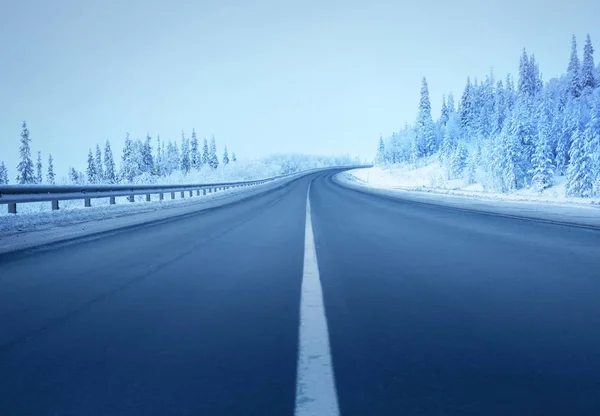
155	161
508	137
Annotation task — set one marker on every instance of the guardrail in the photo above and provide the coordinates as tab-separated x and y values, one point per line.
11	195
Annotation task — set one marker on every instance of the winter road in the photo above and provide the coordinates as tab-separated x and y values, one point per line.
395	308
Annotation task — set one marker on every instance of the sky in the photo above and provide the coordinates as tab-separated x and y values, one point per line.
264	76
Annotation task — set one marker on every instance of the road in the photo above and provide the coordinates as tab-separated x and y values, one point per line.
429	311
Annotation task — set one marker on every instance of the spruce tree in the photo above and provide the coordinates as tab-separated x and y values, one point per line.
542	159
466	107
213	160
109	165
195	157
92	174
50	176
380	157
185	154
574	84
205	156
588	77
25	173
98	163
225	156
127	161
426	139
147	159
3	174
233	157
580	178
445	113
38	167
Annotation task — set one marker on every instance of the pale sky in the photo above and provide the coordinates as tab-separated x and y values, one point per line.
319	77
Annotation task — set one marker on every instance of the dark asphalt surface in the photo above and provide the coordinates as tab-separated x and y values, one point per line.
431	311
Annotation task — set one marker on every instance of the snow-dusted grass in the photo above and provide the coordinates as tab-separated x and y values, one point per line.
432	177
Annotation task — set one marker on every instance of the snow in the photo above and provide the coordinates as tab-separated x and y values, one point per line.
426	185
432	178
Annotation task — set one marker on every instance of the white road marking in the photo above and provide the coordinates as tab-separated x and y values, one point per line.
315	386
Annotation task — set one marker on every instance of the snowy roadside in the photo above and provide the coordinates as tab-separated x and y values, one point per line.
31	229
583	212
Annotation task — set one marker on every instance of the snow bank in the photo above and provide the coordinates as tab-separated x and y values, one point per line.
423	185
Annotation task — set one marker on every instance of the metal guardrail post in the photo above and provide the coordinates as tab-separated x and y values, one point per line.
55	205
191	194
182	194
161	196
112	200
172	195
197	192
148	198
12	208
131	198
87	202
204	192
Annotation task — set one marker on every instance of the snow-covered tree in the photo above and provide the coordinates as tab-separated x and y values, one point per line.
92	174
50	176
98	163
172	158
109	165
580	176
147	159
128	162
185	154
459	160
380	157
233	157
39	178
225	156
3	174
205	155
445	112
574	84
588	76
25	174
195	156
213	159
466	107
543	159
426	139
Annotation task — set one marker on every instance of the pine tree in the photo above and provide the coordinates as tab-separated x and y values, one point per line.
466	107
580	176
128	169
592	134
213	160
450	104
569	124
445	113
109	165
3	174
92	174
499	110
426	139
98	163
50	176
380	156
588	78
574	86
233	157
38	167
459	160
185	154
25	173
159	159
542	159
195	157
74	176
147	162
225	156
205	156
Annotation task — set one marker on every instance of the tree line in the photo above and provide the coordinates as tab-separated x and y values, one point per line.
140	161
509	137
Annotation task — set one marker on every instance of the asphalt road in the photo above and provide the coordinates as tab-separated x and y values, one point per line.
430	311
